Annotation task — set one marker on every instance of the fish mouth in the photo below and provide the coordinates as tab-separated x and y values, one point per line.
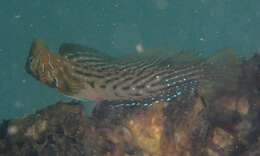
31	58
29	66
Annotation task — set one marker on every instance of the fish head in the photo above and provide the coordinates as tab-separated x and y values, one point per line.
42	64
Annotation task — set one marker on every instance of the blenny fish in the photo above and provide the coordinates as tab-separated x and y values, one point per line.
137	80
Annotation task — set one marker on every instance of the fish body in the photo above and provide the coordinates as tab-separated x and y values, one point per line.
86	73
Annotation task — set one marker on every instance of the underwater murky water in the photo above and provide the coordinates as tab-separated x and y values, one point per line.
117	28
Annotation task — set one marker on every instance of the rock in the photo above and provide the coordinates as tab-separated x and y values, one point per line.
147	128
186	129
253	150
182	129
225	125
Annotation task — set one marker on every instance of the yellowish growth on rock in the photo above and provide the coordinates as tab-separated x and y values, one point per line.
243	106
233	103
222	138
183	132
147	129
12	130
36	129
210	152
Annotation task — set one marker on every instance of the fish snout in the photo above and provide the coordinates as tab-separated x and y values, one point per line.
34	58
28	64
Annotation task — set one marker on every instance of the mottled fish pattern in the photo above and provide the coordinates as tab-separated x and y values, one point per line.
143	80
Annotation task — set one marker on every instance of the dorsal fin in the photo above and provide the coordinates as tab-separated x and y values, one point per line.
66	48
72	50
166	57
181	58
223	70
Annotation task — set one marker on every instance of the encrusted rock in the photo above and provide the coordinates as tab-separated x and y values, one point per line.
225	125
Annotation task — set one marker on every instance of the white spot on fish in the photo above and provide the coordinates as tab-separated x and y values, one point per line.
178	93
56	82
43	68
49	61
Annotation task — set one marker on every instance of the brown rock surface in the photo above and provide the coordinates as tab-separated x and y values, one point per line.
227	125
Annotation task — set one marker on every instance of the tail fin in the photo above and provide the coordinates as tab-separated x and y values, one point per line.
222	72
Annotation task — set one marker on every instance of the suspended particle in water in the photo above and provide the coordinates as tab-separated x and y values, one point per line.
18	104
17	16
139	48
161	4
23	81
126	37
202	39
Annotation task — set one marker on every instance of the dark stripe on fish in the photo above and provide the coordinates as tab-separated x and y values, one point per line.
122	82
110	80
140	78
89	74
126	88
167	96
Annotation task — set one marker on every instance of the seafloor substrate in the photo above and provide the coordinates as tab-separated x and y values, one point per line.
227	124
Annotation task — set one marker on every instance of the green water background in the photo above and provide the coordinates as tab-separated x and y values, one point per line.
116	27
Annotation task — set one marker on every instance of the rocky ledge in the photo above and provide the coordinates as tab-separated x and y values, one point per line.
225	125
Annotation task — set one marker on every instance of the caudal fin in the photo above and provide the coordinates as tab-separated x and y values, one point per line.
222	71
